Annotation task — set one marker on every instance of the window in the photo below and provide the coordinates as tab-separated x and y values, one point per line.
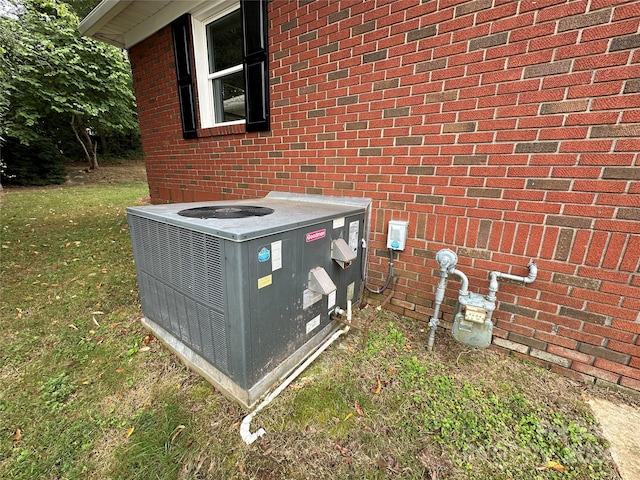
231	64
226	78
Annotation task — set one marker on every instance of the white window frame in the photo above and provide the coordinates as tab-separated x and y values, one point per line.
199	21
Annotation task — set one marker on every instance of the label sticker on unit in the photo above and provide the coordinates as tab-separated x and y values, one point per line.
313	324
309	297
331	299
354	228
338	223
264	255
317	235
351	290
265	281
276	255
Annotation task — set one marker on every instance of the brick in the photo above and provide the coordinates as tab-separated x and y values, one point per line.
583	315
625	348
363	28
470	159
625	43
617	368
471	7
577	22
459	127
430	199
421	33
550	357
431	65
484	192
488	41
604	353
570	354
509	345
596	372
548	69
608	131
620	173
525	340
537	147
374	56
548	184
396	112
632	86
628	214
564	107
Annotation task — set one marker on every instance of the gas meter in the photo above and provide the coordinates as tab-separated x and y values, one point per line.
472	320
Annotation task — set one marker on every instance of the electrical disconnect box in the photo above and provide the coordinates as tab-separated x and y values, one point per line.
397	235
472	320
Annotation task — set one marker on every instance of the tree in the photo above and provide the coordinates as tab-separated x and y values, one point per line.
53	79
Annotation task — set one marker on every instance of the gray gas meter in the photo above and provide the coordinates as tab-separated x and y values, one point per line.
472	320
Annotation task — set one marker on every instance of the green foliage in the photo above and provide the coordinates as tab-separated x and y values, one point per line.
156	445
56	390
39	163
57	84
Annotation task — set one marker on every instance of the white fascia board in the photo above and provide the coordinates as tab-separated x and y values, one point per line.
160	20
101	15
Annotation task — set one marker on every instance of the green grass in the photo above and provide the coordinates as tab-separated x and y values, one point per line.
85	392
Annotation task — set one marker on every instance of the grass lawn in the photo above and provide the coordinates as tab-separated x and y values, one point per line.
86	392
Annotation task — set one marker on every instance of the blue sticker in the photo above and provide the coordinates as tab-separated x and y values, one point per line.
395	244
264	255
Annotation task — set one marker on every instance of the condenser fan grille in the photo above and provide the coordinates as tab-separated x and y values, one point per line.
225	211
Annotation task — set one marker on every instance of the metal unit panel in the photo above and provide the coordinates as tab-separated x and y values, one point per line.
234	293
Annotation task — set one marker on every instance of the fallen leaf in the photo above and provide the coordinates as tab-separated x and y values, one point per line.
144	349
391	371
379	387
120	370
130	431
349	415
18	435
71	325
178	431
555	466
356	405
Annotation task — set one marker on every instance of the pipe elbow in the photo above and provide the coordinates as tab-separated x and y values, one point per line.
245	430
464	288
533	272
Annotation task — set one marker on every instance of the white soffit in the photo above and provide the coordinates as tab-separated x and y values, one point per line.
124	23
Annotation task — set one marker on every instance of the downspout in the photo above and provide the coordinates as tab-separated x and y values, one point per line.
245	426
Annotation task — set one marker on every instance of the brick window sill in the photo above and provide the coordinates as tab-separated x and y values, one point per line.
222	130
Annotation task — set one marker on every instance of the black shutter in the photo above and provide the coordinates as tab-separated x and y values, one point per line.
256	64
182	49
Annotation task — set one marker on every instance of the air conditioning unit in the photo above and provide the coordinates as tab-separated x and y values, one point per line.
242	291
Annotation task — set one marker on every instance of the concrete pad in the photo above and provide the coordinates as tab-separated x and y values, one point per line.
621	427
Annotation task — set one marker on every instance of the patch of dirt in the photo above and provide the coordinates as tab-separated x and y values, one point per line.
129	172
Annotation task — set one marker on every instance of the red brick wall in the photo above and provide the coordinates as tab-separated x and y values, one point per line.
505	130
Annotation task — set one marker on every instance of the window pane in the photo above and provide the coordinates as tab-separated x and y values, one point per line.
228	96
224	39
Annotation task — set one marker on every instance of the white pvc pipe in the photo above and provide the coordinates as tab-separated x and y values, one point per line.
245	426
